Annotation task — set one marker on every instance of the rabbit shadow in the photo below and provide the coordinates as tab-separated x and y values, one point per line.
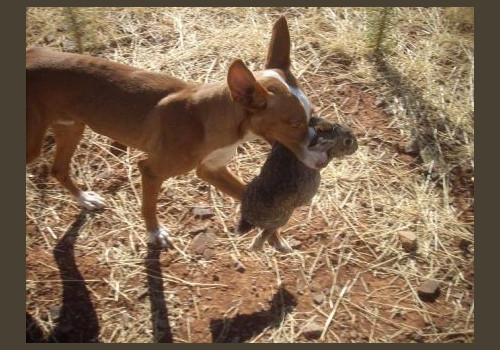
241	328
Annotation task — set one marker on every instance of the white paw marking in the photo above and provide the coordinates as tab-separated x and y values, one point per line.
160	238
90	200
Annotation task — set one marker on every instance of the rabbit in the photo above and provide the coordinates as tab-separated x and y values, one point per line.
285	183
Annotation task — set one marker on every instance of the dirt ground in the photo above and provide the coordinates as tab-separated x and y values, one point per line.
90	276
215	301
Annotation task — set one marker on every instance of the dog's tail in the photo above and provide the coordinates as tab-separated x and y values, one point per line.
243	227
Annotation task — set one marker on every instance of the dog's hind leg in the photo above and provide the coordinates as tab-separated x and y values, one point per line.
67	138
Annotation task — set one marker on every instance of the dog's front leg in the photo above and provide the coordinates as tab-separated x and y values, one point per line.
152	180
223	179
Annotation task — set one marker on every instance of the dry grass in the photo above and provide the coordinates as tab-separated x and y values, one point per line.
350	249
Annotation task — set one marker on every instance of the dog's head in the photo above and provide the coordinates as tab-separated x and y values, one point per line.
277	107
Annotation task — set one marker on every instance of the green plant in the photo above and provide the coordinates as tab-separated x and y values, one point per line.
380	20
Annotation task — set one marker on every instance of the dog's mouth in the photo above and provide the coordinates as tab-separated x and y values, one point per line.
312	154
315	159
321	164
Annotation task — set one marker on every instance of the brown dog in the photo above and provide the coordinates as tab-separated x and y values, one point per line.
180	126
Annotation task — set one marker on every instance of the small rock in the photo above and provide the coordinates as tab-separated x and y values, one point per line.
410	147
208	254
391	112
353	334
319	298
408	241
315	287
197	230
429	290
416	337
380	102
464	246
201	243
69	45
49	38
239	266
312	331
294	243
203	212
301	285
215	278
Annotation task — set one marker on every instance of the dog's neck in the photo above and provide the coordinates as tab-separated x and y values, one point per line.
221	115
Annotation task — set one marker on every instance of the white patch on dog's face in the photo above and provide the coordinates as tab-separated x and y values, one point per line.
295	90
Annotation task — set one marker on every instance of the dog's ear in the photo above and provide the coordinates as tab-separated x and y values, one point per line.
278	54
244	88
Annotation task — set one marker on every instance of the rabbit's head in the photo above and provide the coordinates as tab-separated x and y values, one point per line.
334	139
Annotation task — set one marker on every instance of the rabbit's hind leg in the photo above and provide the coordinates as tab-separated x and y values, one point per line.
258	242
279	243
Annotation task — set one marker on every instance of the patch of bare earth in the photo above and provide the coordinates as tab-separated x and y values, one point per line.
209	300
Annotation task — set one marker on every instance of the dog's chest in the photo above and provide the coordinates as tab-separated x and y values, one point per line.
221	156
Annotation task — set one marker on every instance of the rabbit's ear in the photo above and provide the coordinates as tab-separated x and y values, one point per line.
320	124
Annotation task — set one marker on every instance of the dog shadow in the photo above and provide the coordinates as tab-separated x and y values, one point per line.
78	322
162	332
241	328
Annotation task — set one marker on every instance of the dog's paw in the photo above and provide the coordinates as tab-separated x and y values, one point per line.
160	238
90	200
